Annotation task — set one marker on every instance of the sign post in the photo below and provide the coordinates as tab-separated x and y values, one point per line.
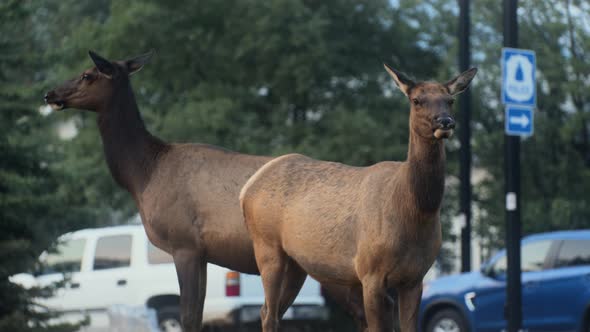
465	138
519	96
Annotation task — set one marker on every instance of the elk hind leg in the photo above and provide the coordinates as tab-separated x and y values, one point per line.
291	285
272	263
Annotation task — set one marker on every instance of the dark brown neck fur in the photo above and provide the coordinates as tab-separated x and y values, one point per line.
130	150
426	167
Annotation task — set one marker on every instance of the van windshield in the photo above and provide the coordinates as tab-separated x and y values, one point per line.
67	257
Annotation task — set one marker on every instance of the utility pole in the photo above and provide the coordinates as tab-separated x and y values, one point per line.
465	138
512	183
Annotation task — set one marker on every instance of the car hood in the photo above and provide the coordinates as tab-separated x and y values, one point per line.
25	280
457	283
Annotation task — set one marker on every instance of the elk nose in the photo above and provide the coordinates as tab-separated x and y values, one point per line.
48	95
446	122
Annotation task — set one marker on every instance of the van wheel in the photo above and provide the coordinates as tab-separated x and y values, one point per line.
446	320
169	319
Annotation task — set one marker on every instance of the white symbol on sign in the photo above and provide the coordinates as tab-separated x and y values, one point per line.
520	85
521	120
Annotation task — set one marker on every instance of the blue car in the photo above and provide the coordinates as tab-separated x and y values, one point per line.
555	289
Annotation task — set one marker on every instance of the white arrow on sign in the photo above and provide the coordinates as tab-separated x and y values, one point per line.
521	120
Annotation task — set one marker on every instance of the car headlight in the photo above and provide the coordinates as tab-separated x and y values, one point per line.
425	288
470	301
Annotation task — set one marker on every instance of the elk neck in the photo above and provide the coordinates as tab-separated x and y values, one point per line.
426	171
131	151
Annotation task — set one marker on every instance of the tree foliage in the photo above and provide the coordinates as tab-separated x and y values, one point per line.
272	77
253	76
32	212
554	161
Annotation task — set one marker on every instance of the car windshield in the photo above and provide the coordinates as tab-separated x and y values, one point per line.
67	257
533	256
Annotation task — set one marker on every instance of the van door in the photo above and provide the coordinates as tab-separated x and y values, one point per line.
107	282
66	261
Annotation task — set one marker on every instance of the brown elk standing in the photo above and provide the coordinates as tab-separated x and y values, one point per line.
370	228
187	194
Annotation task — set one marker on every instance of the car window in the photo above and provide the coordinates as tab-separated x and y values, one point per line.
112	251
157	256
574	253
532	257
66	258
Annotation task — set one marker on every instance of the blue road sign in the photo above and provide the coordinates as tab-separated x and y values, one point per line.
518	77
519	120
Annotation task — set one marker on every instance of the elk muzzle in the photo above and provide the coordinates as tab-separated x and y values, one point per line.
52	99
445	124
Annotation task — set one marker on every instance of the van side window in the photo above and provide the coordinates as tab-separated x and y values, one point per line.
112	252
67	257
574	253
157	256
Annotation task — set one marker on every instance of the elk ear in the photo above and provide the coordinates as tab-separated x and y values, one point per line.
461	82
103	65
402	81
135	64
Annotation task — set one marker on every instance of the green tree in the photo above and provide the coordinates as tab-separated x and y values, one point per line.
253	76
261	77
32	212
554	161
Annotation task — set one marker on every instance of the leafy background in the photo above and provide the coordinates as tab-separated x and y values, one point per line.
271	77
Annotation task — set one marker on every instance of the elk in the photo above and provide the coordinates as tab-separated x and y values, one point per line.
187	194
370	229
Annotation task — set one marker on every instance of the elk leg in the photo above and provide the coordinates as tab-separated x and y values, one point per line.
192	279
355	307
291	285
350	299
409	302
374	296
389	312
271	263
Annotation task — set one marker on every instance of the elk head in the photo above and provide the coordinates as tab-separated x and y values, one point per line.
93	89
431	102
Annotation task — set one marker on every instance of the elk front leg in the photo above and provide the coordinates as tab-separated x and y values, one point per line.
389	312
409	303
191	269
377	307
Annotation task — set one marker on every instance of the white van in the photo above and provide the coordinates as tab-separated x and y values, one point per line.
119	266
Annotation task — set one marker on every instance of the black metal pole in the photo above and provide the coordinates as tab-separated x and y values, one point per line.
465	138
512	178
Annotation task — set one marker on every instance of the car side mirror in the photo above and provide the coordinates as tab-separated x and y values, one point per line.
487	271
496	275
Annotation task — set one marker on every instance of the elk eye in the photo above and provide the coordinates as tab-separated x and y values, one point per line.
85	77
451	102
416	101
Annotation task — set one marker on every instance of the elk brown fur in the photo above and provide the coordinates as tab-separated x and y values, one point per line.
187	194
367	228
